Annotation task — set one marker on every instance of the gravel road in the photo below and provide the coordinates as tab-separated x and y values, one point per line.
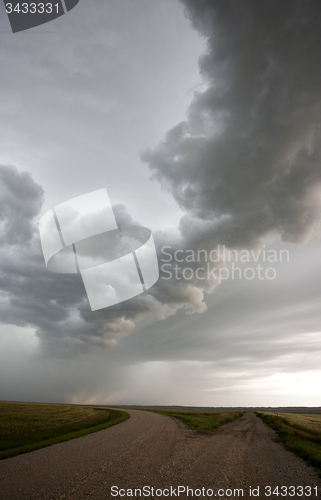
160	452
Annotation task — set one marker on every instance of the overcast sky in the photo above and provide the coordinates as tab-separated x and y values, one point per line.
202	120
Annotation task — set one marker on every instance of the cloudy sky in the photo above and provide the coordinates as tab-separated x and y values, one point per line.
202	120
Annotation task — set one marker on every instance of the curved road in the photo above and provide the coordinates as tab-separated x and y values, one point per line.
157	451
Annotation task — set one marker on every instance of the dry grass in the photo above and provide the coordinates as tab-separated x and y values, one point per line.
304	421
28	426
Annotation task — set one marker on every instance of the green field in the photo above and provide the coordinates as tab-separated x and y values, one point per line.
29	426
202	421
299	432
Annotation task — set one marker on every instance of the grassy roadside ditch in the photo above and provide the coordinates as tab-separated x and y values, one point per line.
299	433
26	427
201	421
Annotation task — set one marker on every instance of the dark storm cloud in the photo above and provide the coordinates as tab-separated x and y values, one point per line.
56	304
244	165
247	159
29	294
20	201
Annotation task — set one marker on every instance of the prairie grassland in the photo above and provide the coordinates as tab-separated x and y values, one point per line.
29	426
299	432
310	422
202	421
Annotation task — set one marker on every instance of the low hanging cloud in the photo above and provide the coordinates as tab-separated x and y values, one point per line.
246	161
56	304
20	201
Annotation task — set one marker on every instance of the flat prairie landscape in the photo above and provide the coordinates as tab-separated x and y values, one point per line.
29	426
308	421
242	458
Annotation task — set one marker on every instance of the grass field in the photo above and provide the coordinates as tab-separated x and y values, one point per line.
202	421
299	432
29	426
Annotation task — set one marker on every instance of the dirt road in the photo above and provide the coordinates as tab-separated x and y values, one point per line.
156	451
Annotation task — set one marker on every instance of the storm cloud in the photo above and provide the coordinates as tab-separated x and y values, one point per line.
245	164
244	167
56	304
